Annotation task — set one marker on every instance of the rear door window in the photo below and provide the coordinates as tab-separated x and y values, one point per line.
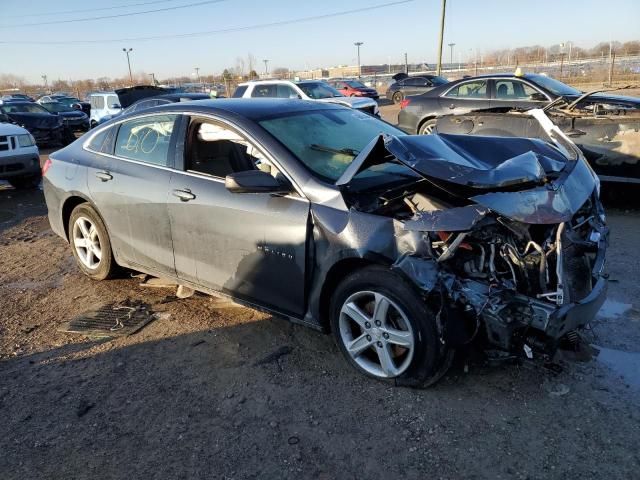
265	91
474	89
146	139
97	102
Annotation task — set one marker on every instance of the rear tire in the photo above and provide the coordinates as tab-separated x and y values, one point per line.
428	127
90	243
397	97
29	182
385	330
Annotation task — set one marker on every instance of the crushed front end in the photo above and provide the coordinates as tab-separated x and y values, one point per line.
505	237
522	287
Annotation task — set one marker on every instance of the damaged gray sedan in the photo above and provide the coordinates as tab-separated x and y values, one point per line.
404	247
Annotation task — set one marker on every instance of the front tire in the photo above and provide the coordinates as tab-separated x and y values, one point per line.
397	97
385	330
90	243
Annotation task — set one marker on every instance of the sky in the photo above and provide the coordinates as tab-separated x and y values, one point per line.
32	45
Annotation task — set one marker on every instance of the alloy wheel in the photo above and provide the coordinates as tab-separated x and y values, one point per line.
86	242
376	334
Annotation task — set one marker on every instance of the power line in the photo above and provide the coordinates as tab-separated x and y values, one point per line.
64	12
117	15
210	32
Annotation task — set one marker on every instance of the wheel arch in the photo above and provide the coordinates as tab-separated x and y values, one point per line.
346	266
69	205
424	120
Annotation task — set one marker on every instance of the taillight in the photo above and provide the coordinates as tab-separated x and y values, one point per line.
404	103
45	166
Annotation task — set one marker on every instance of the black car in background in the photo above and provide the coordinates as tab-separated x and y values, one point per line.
405	247
500	91
154	101
46	127
17	97
74	120
405	85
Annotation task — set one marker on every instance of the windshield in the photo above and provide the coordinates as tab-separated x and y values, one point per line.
22	108
554	86
57	107
327	141
354	84
318	90
67	100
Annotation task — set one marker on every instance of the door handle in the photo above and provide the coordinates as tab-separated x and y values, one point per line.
104	176
184	195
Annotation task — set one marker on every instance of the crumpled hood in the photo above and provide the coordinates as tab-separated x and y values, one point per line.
353	102
524	179
36	120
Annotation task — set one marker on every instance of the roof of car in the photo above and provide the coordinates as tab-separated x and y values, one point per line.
254	108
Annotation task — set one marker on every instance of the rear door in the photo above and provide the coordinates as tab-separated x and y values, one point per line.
416	86
253	245
131	188
466	97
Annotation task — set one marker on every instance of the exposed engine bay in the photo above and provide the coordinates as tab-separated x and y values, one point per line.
509	248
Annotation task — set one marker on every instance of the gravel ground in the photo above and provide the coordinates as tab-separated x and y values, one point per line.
212	390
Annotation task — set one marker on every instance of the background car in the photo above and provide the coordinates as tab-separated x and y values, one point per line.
46	128
75	120
102	104
314	90
67	100
353	88
17	96
418	114
19	156
399	89
156	100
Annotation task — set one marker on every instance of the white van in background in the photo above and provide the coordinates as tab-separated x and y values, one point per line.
103	104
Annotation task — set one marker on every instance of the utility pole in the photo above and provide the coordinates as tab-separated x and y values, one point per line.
451	45
444	7
406	64
46	84
127	51
358	45
266	66
153	78
197	69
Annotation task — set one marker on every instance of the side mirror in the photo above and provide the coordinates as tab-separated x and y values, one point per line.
115	106
76	106
255	181
537	97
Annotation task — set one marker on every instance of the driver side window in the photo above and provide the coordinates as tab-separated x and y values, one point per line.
216	150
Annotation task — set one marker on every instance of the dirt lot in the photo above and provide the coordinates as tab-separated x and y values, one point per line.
210	390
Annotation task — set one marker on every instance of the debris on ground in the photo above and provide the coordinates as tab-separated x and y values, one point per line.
111	320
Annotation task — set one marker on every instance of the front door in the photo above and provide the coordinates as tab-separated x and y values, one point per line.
251	245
